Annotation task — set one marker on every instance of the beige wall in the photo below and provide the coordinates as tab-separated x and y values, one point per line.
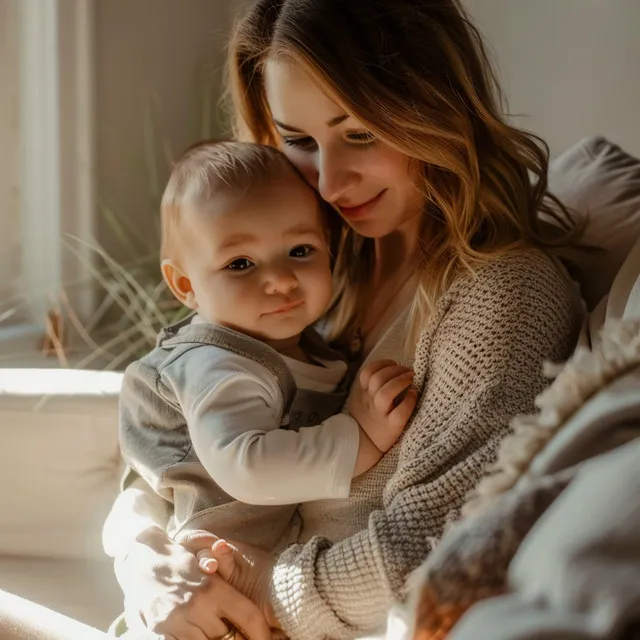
571	65
150	53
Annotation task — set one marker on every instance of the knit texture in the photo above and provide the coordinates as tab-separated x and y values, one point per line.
478	363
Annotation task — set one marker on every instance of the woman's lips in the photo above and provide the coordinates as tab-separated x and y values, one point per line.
361	210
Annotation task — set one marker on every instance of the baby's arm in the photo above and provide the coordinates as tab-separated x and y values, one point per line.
234	425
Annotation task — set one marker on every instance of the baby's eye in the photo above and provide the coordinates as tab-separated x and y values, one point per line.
240	264
301	251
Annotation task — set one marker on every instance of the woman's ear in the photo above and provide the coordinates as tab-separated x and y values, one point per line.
178	283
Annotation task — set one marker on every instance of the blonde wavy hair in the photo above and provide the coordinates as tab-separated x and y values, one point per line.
417	75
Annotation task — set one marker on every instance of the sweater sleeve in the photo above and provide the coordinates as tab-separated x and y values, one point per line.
478	363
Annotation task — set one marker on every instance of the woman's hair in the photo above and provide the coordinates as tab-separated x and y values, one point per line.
210	168
417	75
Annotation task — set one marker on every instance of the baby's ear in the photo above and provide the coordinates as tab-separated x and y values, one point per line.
179	283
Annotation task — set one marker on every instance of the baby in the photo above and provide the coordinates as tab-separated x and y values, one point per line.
238	406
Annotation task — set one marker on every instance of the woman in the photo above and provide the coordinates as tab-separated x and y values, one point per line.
389	109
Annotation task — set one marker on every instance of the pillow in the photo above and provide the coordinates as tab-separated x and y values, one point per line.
601	183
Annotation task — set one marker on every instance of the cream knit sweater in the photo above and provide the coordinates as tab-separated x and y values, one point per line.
478	363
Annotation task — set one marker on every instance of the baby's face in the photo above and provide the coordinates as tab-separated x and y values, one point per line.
260	262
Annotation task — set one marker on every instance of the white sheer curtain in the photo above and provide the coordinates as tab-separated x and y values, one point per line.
56	141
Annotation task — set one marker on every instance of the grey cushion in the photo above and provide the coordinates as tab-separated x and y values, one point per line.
601	183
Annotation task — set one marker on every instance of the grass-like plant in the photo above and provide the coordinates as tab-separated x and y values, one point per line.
134	303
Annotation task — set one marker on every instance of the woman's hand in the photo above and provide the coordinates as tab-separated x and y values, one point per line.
246	568
167	593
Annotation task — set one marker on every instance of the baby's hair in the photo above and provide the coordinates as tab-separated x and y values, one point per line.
211	168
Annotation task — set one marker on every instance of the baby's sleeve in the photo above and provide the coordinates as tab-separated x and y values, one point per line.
234	423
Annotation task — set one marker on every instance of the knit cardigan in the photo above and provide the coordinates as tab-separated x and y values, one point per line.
477	364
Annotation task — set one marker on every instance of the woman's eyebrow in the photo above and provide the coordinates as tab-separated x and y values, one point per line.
334	122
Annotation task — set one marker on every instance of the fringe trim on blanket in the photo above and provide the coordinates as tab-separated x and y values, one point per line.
435	620
579	379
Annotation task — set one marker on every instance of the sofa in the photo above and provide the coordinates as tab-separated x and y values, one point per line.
60	473
61	464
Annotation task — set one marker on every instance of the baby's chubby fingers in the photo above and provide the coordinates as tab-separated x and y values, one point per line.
378	373
399	416
369	369
381	377
206	561
217	559
385	397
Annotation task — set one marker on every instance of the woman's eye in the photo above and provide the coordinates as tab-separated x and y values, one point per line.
300	143
240	264
301	251
361	137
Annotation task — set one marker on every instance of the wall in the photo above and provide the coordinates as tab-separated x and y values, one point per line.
153	57
570	65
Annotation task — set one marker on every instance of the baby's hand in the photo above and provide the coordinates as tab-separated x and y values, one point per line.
383	401
197	540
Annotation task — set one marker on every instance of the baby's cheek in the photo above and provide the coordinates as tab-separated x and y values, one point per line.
243	295
234	303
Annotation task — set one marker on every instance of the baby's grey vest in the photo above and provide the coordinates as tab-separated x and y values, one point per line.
156	446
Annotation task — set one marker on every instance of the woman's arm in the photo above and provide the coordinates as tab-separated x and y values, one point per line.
165	591
479	360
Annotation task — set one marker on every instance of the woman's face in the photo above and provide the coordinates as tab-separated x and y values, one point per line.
370	183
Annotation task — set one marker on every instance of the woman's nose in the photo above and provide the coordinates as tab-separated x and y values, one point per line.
335	176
